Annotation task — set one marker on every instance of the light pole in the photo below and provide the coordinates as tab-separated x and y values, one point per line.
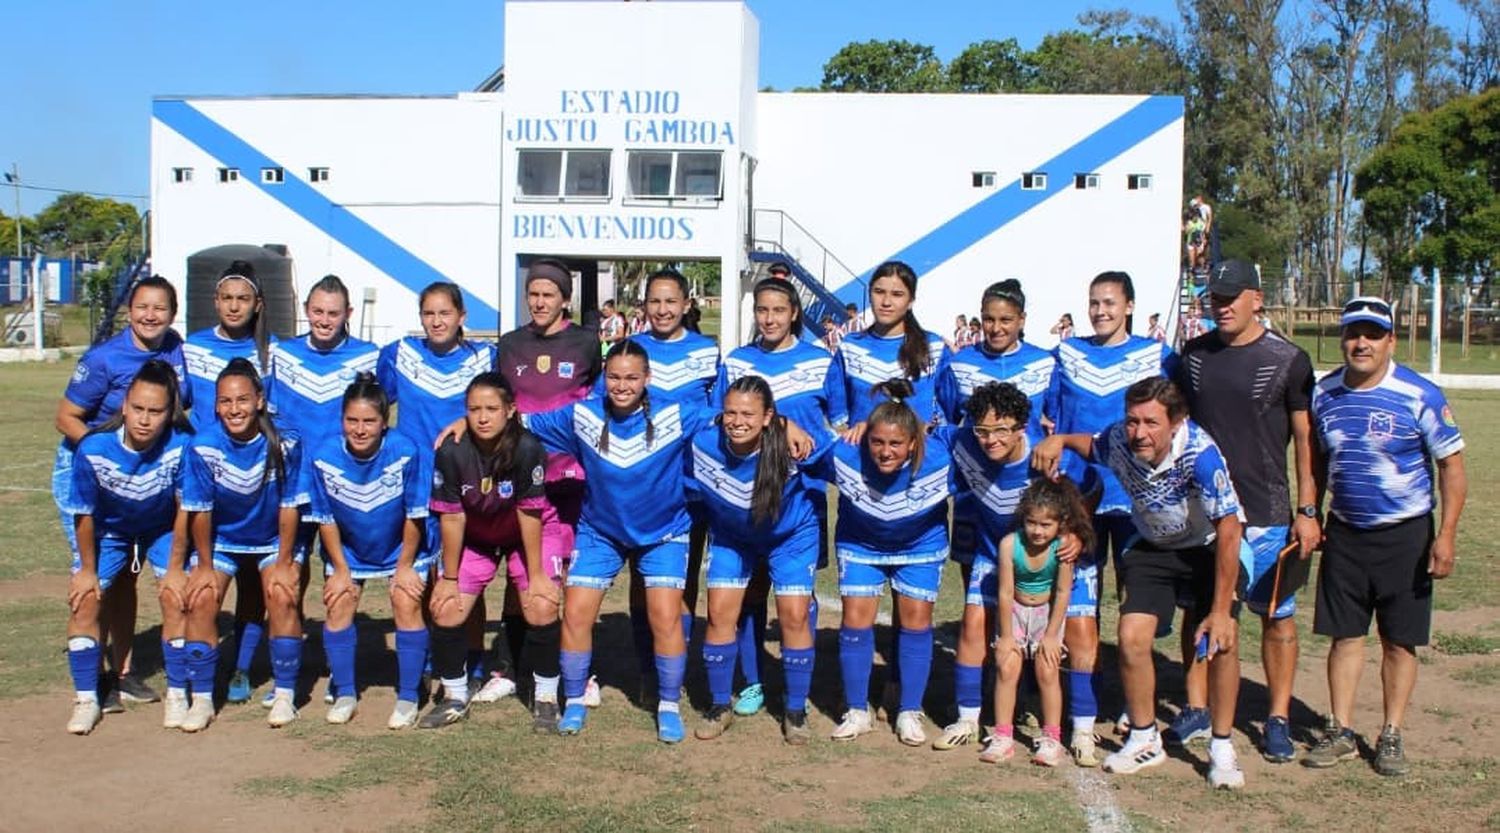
14	178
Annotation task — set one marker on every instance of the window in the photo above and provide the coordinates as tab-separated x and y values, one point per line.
229	174
1138	182
182	174
273	176
1034	181
984	179
562	175
1085	181
317	174
667	174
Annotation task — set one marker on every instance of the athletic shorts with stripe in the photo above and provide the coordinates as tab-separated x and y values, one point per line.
916	575
792	562
597	560
115	555
1083	598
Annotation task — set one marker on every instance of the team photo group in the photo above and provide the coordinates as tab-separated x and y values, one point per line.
563	457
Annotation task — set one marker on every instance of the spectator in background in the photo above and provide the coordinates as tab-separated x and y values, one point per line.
1063	329
853	321
611	324
780	271
1205	213
637	321
1157	332
693	318
832	335
974	332
960	338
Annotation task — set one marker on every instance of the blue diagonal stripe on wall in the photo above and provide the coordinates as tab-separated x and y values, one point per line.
993	212
307	202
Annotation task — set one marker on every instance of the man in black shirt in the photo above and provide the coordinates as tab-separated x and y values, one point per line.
1251	389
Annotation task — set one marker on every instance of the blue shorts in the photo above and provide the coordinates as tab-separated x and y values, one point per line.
361	571
118	554
1083	599
914	579
1266	543
62	495
597	560
230	563
792	563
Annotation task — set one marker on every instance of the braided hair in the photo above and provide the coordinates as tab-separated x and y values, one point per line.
627	347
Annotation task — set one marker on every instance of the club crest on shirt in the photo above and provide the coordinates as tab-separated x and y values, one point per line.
1448	419
506	489
565	370
1382	424
391	481
437	480
81	372
486	486
538	475
543	364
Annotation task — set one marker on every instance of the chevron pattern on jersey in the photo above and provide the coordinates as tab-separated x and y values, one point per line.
1031	380
1135	365
137	486
867	367
923	494
626	452
362	497
227	475
803	377
996	498
715	476
700	364
440	385
320	388
201	363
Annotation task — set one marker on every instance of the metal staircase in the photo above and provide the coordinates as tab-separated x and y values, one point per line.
777	238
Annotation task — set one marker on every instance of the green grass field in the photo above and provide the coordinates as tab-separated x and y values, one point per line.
493	773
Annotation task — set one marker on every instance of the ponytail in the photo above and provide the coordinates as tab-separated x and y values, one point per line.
244	270
914	356
152	372
275	458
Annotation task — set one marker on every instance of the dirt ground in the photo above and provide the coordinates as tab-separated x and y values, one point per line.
131	773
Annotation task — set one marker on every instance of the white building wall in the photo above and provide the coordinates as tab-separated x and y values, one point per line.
870	175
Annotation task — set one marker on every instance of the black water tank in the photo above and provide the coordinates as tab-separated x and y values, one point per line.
273	270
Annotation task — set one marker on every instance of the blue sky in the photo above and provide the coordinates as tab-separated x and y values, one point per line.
80	117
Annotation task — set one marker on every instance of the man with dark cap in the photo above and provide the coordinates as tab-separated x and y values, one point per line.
1380	429
1251	389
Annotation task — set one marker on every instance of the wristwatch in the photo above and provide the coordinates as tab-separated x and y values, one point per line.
1308	511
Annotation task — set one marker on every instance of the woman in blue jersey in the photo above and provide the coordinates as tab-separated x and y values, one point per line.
126	474
240	493
892	526
426	377
761	519
1087	396
894	346
94	395
489	496
808	387
367	491
242	332
684	366
308	377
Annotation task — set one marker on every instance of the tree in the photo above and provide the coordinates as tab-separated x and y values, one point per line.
1440	174
991	66
1119	53
1479	51
74	221
890	66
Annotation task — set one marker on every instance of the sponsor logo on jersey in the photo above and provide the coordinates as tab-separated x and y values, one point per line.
437	480
81	372
538	475
565	370
543	364
1448	419
486	486
1382	424
507	489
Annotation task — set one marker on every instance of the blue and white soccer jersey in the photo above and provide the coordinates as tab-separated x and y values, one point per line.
230	480
1173	505
205	355
370	501
634	501
1088	395
132	498
789	546
805	380
429	387
682	369
1028	367
890	526
1380	443
307	385
98	386
868	360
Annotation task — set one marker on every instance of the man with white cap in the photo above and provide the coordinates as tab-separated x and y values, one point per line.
1379	428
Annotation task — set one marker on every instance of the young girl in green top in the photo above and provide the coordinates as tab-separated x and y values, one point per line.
1033	605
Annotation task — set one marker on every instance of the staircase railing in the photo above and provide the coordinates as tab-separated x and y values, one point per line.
775	230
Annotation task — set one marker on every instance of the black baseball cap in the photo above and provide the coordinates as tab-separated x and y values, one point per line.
1232	277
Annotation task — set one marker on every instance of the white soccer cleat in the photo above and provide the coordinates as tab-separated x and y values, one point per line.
1085	749
174	709
283	711
199	714
403	716
1134	757
958	733
86	715
343	710
591	696
856	722
909	728
1224	770
496	688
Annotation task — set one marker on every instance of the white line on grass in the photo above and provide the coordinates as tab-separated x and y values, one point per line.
23	489
1097	801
